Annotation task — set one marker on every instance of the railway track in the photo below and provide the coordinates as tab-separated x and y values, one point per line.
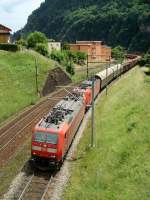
35	187
14	134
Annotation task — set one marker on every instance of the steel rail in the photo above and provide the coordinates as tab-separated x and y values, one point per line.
24	119
46	190
35	186
21	119
24	190
2	148
33	110
25	113
36	110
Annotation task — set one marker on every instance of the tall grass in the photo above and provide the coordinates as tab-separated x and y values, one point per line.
17	80
118	168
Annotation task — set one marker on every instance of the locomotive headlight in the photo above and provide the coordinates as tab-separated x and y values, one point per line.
50	150
36	148
54	156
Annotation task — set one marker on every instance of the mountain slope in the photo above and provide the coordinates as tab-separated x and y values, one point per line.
125	22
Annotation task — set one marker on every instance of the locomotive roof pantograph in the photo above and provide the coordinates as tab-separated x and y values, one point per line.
64	111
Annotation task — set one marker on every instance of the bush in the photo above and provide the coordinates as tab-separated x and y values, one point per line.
81	57
59	56
70	68
35	38
77	57
9	47
65	46
42	49
21	42
145	60
118	53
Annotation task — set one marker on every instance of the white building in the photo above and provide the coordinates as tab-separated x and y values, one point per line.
54	46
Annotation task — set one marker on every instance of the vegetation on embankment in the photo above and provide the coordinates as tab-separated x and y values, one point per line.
17	80
145	60
118	167
82	75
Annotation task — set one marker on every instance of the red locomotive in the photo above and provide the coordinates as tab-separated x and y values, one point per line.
53	135
85	89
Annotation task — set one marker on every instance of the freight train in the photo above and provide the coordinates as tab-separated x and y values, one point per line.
53	135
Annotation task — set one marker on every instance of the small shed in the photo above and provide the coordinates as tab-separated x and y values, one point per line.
4	34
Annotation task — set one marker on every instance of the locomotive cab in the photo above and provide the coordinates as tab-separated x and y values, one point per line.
45	146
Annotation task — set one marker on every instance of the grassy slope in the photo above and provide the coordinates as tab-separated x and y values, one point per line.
118	167
17	80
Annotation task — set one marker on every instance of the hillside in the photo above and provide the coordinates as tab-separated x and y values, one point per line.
124	22
17	80
118	167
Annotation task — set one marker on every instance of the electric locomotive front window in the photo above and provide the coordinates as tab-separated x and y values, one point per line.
46	137
51	138
85	85
39	137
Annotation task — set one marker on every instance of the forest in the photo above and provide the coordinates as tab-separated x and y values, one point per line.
116	22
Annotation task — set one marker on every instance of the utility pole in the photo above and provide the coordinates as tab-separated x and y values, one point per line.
36	76
107	66
106	78
87	66
117	70
92	120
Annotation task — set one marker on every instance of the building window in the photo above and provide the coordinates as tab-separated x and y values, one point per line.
93	53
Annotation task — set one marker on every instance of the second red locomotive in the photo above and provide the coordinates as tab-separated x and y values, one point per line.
85	89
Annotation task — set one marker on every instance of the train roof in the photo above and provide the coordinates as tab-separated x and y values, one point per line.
116	67
102	75
64	111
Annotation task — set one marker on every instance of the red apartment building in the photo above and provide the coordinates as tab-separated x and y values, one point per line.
95	50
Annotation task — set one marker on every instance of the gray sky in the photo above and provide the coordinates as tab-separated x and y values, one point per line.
14	13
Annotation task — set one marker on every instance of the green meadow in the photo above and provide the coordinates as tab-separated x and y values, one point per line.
118	168
17	80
